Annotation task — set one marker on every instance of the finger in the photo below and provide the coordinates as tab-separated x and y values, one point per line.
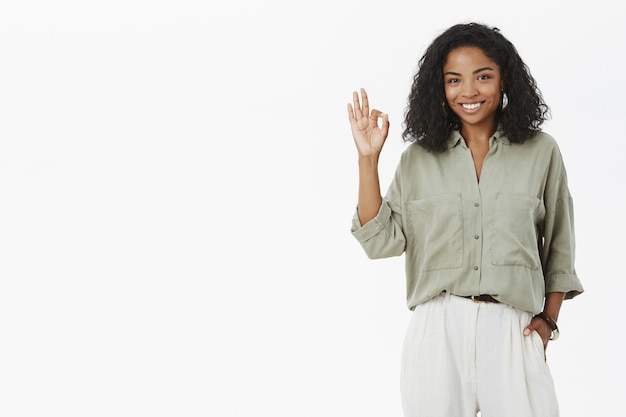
375	114
366	102
357	105
385	125
529	329
351	113
538	325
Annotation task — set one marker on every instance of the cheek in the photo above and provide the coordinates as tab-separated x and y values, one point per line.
450	96
495	93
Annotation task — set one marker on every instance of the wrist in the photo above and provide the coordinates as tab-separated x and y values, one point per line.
370	160
552	304
551	323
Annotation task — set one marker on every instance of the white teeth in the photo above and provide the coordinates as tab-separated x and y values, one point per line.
471	106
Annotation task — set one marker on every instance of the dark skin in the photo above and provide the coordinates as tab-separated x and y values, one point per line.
473	86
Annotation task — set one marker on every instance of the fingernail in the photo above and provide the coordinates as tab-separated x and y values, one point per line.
526	332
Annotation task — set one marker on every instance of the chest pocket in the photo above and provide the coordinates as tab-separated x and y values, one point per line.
436	226
515	233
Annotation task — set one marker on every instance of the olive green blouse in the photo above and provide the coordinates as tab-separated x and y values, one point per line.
510	235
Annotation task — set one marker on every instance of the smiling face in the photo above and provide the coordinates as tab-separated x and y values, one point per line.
472	84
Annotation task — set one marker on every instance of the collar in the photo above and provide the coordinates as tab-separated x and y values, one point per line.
455	138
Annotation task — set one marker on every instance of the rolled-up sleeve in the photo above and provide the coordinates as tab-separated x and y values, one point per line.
558	251
381	237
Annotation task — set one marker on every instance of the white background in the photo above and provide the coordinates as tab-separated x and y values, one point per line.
177	180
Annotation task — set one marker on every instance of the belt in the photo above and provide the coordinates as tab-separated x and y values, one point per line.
483	298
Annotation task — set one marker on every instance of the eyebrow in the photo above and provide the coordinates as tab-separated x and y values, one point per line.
473	72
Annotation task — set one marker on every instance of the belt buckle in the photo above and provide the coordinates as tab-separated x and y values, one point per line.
473	298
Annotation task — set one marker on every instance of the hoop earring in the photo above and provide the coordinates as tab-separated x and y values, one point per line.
505	100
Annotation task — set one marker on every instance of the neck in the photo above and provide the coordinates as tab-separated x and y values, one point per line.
478	134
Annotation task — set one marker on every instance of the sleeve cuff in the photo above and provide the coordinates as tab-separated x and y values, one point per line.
566	283
373	227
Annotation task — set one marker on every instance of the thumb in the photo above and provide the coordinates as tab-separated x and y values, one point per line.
385	124
528	330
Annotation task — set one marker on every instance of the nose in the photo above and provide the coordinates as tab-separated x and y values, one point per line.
468	89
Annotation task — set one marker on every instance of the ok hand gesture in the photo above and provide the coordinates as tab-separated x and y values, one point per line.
368	136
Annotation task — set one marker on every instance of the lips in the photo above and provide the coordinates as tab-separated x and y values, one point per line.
472	106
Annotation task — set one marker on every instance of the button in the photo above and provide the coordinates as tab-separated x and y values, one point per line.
476	236
475	268
476	204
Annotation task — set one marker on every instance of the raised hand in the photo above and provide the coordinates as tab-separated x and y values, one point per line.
368	136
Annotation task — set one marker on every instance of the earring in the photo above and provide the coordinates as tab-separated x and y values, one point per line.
505	100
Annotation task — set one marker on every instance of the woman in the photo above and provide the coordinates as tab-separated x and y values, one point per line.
480	208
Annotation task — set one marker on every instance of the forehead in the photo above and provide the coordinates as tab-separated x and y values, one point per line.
468	58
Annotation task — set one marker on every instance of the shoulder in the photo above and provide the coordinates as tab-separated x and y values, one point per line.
417	157
415	150
544	147
412	152
540	145
543	141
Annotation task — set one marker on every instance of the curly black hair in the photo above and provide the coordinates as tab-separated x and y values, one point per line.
428	117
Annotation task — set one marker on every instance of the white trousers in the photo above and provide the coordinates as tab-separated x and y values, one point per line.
462	357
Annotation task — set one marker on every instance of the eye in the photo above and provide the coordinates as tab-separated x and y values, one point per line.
483	77
452	80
